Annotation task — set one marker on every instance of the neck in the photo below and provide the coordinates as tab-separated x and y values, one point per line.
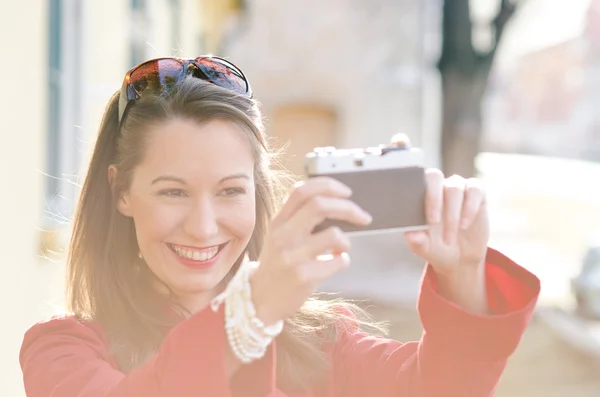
194	302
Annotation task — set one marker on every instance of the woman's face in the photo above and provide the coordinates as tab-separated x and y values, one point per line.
193	203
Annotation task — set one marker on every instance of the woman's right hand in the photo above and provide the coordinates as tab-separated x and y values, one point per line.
289	271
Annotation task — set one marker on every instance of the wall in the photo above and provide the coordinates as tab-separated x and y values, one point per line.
21	158
365	60
96	52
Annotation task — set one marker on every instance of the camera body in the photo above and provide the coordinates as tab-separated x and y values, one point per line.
386	181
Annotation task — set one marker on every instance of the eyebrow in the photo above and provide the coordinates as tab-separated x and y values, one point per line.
171	178
239	175
168	178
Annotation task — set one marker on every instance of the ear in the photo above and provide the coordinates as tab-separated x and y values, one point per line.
123	198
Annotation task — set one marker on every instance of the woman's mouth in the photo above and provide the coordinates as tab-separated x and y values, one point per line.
194	256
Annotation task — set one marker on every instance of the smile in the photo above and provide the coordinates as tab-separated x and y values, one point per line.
196	254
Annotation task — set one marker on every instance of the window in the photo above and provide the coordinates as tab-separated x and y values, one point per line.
64	110
138	29
155	29
54	96
175	6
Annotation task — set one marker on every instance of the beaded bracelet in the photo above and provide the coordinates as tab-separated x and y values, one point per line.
248	336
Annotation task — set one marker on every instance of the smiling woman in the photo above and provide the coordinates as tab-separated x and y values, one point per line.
188	275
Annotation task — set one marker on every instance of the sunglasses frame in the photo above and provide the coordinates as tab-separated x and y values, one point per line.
129	94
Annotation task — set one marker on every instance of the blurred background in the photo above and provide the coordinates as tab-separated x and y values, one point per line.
505	90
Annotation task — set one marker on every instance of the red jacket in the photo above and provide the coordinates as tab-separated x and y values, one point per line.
459	354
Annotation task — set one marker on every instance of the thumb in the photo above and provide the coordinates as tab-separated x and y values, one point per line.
418	242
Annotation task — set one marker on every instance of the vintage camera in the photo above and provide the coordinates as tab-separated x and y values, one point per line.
387	181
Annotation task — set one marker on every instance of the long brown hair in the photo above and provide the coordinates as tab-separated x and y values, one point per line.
109	284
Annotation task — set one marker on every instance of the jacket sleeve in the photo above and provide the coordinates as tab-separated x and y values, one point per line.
459	354
67	358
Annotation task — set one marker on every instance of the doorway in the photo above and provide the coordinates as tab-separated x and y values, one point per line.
299	129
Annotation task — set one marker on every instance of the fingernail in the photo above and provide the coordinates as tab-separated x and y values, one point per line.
368	217
346	259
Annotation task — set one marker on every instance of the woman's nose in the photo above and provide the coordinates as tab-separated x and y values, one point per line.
201	223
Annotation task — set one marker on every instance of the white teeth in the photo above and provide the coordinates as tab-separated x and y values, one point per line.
203	255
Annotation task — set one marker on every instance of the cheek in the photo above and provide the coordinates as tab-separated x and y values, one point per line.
241	220
155	220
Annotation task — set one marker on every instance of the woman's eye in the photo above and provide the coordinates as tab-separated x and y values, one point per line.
173	193
232	191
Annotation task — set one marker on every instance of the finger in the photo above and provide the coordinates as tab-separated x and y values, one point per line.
320	270
418	242
320	208
308	189
332	239
473	202
454	192
400	139
434	198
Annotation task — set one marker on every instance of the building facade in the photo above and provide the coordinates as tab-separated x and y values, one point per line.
341	73
546	102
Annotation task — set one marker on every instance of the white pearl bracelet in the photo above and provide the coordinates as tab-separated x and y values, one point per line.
248	336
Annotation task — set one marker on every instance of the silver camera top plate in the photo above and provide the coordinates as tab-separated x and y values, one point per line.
329	160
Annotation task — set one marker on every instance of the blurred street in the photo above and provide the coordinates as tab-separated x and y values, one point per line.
543	365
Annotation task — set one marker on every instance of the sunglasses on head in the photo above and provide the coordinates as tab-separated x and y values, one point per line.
156	76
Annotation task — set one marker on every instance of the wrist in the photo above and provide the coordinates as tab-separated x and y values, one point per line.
261	306
465	286
462	273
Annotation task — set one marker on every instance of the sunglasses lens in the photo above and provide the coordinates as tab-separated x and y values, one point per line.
223	74
156	76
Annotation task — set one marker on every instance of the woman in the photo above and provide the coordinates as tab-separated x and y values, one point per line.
179	191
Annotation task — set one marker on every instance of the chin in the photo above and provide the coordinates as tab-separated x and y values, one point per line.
198	284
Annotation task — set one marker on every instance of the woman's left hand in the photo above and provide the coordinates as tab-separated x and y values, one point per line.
458	233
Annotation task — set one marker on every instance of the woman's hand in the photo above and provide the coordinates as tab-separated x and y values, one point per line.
458	231
289	270
455	244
